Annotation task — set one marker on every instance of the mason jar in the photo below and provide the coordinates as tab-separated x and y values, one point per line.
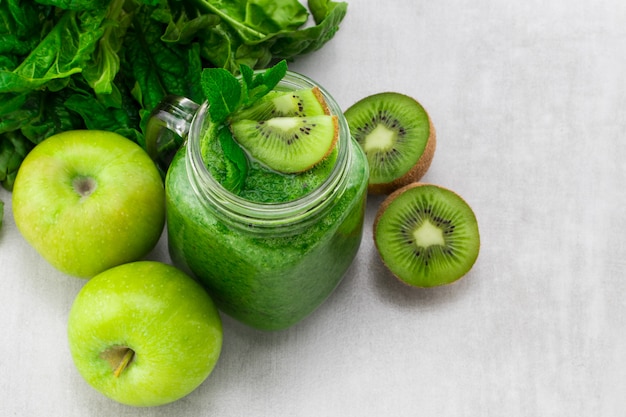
266	264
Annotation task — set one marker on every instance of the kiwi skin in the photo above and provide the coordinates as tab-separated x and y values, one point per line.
320	98
384	205
416	172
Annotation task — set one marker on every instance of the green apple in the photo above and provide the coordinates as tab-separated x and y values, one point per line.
89	200
144	333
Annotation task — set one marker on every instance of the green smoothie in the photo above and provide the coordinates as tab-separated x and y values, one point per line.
269	277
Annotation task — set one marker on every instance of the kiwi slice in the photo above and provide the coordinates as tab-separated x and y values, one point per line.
426	235
288	144
304	102
398	137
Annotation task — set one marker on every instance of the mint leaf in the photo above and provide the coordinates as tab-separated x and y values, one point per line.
236	161
247	80
226	94
257	86
223	92
247	75
272	76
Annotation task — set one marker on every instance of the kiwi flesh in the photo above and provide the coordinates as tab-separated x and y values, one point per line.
303	102
397	136
288	144
426	235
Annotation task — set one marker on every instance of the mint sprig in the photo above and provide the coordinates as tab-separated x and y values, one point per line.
226	95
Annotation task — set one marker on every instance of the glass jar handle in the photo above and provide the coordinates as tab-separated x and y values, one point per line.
167	129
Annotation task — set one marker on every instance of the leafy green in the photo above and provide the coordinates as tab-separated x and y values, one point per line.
267	16
227	94
222	91
72	42
12	151
257	85
236	161
105	64
75	4
256	45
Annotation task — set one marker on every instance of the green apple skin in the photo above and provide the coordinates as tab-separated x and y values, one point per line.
89	200
163	315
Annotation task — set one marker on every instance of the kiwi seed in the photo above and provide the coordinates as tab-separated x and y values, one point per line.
397	136
426	235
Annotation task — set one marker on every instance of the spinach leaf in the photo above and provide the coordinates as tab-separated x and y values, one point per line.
20	29
328	15
269	16
75	4
97	114
280	37
185	25
253	20
104	63
64	51
35	116
159	68
233	14
13	149
15	111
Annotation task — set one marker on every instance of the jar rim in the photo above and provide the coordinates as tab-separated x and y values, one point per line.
269	214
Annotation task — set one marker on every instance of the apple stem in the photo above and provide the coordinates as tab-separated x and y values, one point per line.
128	356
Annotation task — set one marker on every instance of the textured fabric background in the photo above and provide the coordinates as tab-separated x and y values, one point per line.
529	102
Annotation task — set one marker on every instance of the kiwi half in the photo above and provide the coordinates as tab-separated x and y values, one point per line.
398	137
288	144
304	102
426	235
